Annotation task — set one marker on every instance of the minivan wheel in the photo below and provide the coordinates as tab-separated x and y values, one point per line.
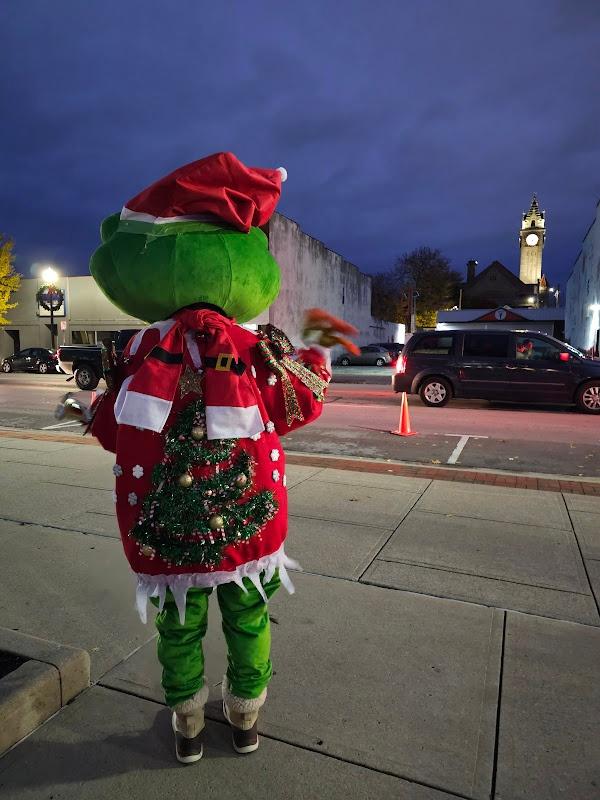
588	397
344	362
435	392
86	378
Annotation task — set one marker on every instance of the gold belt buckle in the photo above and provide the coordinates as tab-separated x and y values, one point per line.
224	361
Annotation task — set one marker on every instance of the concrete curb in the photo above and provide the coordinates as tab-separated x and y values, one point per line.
516	480
549	482
52	675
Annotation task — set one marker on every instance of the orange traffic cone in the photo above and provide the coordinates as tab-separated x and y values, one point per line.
404	424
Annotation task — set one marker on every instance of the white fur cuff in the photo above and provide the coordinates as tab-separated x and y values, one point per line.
243	705
193	703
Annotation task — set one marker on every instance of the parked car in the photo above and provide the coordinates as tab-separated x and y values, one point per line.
522	366
393	348
32	359
371	355
85	361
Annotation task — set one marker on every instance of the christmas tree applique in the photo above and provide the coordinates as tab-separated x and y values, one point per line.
187	519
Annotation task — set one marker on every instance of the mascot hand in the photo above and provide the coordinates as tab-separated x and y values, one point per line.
325	329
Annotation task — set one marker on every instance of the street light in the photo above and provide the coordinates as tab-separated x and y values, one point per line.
51	277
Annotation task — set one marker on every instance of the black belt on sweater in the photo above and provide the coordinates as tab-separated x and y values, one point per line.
224	362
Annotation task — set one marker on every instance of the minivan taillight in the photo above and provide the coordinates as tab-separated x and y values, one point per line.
401	364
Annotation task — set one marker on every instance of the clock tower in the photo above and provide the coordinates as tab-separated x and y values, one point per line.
531	240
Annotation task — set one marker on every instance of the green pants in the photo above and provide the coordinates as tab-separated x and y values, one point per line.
245	621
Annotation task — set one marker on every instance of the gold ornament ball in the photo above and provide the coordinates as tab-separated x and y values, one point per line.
241	481
185	480
147	550
198	433
216	522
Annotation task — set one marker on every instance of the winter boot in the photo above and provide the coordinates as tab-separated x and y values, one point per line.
188	725
242	715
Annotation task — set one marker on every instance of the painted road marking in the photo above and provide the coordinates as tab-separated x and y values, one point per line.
62	425
464	438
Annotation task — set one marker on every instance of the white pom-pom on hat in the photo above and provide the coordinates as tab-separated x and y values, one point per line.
283	171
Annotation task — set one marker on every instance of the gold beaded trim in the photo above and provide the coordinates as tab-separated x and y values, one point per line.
285	365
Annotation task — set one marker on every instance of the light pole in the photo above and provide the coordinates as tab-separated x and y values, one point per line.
51	276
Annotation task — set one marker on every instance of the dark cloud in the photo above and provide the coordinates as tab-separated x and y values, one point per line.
400	124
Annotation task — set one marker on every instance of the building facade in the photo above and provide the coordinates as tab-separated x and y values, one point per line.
582	307
497	286
543	320
312	276
532	238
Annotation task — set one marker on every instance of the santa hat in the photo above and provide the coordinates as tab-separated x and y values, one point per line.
215	188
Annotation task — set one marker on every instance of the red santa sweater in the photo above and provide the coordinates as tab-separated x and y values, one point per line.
281	394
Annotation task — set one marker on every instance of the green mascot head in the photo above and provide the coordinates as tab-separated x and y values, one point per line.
193	237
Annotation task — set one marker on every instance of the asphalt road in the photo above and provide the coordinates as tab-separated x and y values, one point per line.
357	418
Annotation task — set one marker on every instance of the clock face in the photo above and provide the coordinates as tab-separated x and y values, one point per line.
532	239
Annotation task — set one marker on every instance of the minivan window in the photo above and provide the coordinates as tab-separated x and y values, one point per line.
434	345
485	345
531	348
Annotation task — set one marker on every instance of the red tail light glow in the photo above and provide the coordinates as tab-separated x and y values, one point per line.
401	364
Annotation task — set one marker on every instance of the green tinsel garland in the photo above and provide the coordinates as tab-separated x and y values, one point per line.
175	520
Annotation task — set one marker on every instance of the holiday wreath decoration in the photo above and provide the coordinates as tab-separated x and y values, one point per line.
50	297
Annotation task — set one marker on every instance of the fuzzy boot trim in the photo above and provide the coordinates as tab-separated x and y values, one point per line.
242	705
193	703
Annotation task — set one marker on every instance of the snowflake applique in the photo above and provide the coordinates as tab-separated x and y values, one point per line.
137	471
132	499
253	371
114	496
117	470
275	475
269	427
255	437
274	455
272	379
284	481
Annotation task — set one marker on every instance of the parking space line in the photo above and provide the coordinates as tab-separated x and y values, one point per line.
464	438
455	455
62	425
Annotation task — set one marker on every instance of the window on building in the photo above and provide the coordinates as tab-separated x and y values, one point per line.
434	345
106	337
83	337
532	224
485	345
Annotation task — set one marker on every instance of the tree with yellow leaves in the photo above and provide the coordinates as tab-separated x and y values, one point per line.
9	279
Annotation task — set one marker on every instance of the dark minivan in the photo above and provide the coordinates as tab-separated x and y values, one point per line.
519	366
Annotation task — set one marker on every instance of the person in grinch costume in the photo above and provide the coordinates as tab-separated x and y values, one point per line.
193	412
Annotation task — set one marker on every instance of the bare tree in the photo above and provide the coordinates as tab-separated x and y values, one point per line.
434	280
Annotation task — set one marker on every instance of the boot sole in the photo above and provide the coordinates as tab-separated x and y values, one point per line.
185	759
251	748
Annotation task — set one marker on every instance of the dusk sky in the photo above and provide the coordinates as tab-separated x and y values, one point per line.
400	123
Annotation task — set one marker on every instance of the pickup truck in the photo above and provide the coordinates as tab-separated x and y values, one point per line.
85	361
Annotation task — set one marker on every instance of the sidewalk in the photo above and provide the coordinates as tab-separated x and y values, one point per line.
444	640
